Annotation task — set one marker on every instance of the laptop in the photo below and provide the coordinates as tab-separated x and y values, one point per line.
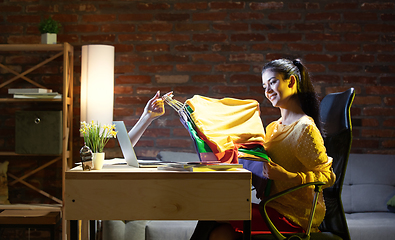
128	151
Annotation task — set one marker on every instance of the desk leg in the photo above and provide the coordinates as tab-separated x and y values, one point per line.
247	230
74	229
92	229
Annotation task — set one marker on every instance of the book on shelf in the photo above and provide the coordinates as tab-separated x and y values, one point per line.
200	166
53	95
28	90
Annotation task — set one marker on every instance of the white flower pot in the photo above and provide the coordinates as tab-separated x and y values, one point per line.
48	38
97	160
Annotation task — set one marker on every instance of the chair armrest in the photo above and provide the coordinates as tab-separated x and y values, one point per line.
270	225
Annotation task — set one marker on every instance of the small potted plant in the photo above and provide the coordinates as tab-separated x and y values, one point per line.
49	29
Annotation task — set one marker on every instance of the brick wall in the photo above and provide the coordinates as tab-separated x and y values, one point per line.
216	49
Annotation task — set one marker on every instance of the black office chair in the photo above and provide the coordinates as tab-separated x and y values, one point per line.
335	115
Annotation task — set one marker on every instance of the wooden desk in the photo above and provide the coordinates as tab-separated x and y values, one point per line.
120	192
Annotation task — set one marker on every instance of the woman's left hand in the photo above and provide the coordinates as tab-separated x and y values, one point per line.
274	171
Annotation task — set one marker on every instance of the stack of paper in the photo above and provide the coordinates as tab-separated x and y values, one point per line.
34	93
200	166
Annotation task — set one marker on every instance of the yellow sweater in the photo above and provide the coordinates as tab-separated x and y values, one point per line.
299	148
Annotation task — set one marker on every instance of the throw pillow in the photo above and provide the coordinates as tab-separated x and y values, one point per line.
391	204
3	183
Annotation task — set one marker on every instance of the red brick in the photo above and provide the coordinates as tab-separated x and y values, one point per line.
156	68
208	78
152	48
386	58
171	58
171	79
209	16
193	67
229	90
98	18
188	27
131	58
80	28
383	133
98	38
320	58
172	17
389	101
123	89
135	37
378	111
360	16
80	7
389	122
378	69
42	8
230	26
379	28
157	132
331	79
389	144
370	122
134	79
381	90
359	80
253	57
284	37
387	17
228	48
305	47
22	19
151	91
307	5
120	69
10	29
284	16
344	68
378	47
267	46
144	143
322	16
232	67
367	100
155	27
245	78
192	90
209	37
131	100
237	16
10	8
360	37
387	80
117	28
308	27
315	67
266	27
247	37
322	37
191	48
21	59
191	6
357	58
365	144
172	37
345	27
179	132
342	47
208	57
226	5
266	5
378	6
135	17
341	6
152	6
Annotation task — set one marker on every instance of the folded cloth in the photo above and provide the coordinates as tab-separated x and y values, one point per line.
227	124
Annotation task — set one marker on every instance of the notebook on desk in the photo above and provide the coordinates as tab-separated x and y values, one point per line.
128	151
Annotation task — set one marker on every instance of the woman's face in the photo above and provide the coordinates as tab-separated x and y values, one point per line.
277	89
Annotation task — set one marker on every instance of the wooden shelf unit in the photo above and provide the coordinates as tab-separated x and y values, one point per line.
58	50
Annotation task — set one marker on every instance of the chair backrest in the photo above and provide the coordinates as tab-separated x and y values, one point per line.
336	119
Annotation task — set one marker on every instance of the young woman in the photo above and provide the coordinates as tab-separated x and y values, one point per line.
296	148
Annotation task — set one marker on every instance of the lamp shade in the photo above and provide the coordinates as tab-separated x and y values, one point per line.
97	84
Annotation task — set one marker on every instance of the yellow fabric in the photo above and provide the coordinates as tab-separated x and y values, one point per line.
299	148
227	121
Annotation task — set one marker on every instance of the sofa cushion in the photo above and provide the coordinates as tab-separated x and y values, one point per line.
371	225
368	185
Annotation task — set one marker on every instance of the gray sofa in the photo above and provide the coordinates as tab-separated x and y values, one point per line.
368	185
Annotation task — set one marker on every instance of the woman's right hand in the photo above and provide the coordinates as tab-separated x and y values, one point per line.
155	107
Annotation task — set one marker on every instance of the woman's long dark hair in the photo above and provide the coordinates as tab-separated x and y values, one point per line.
307	96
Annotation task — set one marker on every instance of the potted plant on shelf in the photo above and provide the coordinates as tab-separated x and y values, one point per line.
49	29
96	137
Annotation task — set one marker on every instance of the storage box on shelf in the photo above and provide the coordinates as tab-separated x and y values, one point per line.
17	214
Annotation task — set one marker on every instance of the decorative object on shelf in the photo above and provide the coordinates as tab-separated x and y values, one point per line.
3	183
97	84
86	158
96	137
49	29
